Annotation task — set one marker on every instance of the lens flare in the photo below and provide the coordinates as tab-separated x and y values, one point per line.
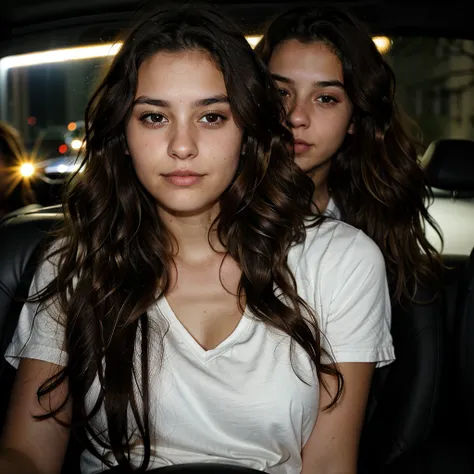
27	170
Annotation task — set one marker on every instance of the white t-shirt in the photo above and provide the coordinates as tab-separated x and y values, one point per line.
242	402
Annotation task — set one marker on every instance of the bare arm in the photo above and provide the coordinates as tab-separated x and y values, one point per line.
333	445
30	446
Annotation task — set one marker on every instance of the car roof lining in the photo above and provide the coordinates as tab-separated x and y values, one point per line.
62	23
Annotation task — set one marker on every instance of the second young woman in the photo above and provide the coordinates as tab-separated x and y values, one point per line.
349	136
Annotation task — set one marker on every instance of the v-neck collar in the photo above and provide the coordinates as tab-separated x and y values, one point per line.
201	353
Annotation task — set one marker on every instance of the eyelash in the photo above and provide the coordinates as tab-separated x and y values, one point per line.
332	100
147	115
222	118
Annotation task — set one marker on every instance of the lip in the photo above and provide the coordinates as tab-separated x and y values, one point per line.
183	177
301	146
182	173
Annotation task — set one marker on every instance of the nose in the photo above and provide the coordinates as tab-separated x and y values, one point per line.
182	145
297	117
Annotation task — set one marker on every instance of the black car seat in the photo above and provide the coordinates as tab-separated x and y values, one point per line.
405	395
449	166
465	349
21	236
409	399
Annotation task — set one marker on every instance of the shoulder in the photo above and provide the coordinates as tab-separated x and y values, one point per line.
334	243
47	269
39	333
337	263
341	273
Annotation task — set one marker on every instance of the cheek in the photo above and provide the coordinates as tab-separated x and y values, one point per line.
143	149
141	158
332	128
225	167
226	149
132	140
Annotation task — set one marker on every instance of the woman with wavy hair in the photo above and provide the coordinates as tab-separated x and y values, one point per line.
349	136
191	310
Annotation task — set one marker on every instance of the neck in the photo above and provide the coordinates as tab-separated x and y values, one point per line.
195	240
321	198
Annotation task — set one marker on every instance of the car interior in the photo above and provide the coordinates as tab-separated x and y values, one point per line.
420	415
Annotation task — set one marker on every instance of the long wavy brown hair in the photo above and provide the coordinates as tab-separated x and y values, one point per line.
113	254
375	178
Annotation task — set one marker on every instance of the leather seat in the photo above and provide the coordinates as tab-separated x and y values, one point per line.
405	396
449	165
466	351
22	234
410	399
449	168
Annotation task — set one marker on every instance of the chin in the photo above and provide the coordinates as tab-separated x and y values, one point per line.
189	209
304	165
310	164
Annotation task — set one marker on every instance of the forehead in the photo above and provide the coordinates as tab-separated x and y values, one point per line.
180	74
305	60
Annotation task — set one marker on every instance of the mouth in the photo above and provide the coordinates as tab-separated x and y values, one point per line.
301	146
183	177
182	173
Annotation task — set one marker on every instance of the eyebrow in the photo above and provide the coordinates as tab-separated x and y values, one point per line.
217	99
331	83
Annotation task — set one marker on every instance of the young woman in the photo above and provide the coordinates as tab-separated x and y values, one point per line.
339	94
190	310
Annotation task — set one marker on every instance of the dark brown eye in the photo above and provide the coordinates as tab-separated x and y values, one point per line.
212	118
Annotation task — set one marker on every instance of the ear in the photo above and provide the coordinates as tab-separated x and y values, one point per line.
350	130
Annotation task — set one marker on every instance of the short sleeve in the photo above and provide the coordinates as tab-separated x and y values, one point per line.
358	321
40	331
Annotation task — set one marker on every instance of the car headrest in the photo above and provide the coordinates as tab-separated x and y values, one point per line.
31	210
449	165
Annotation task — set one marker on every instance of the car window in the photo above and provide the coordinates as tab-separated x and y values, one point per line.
435	84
